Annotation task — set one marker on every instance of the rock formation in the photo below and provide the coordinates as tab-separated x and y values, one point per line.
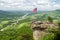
40	28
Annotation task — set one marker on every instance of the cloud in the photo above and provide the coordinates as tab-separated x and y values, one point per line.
29	4
1	3
56	6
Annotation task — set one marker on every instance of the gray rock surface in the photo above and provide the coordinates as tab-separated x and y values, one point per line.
40	28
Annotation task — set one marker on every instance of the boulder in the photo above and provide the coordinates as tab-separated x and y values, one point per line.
40	28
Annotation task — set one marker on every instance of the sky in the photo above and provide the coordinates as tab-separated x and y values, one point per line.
29	4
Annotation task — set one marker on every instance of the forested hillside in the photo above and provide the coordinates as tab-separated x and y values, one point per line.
13	28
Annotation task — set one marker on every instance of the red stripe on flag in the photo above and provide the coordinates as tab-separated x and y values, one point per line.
35	10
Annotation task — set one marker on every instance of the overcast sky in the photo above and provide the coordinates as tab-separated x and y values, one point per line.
29	4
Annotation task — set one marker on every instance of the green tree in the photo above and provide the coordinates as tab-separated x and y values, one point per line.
49	19
58	24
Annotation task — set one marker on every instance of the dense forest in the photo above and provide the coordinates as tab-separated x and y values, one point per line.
13	27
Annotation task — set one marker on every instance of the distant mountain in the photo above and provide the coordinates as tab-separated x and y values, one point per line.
58	10
12	14
43	15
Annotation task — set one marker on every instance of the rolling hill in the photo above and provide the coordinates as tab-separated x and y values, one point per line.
43	16
21	31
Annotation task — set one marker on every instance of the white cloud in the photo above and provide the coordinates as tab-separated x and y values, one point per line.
29	4
1	3
42	2
57	6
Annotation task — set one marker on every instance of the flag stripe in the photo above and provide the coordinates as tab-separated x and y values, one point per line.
35	10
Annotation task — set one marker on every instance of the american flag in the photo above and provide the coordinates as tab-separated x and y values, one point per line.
35	10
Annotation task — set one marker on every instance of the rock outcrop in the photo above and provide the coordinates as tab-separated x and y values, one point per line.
40	28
